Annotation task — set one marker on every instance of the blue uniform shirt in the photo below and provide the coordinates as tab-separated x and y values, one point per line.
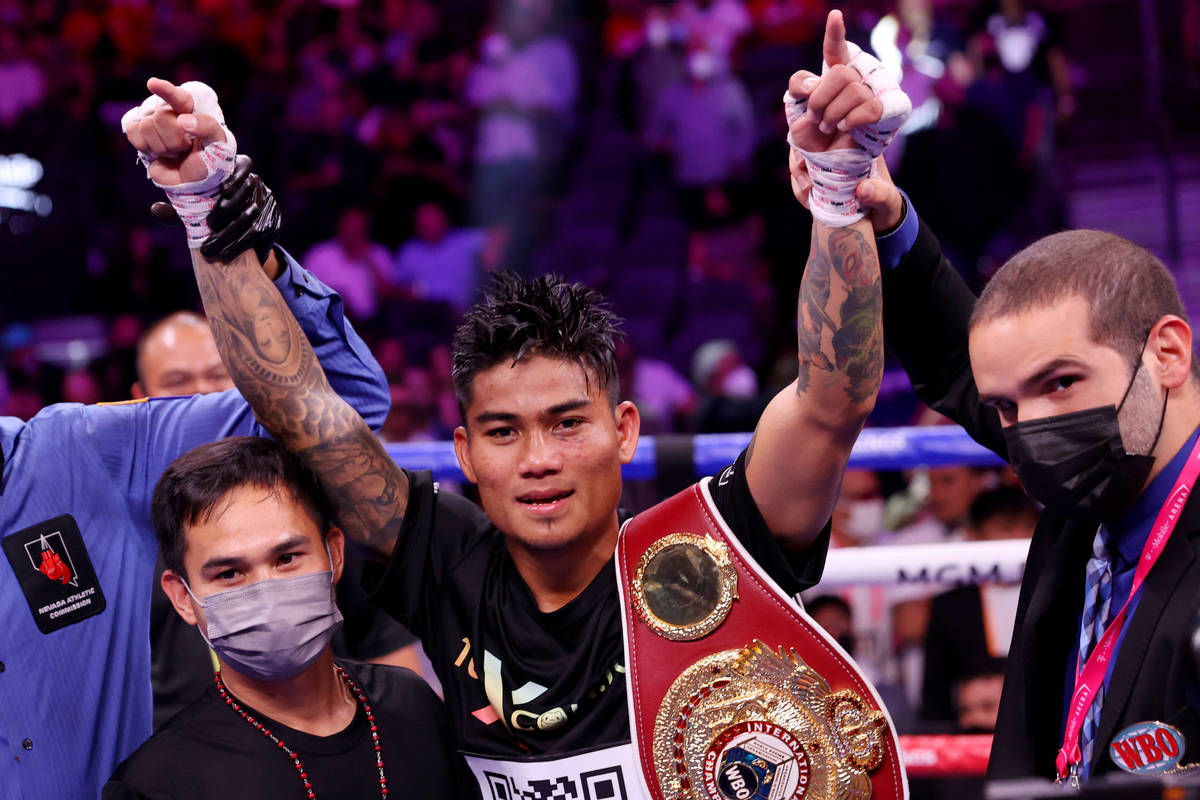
1126	541
79	556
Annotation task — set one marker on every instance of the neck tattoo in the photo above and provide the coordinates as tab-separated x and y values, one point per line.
300	771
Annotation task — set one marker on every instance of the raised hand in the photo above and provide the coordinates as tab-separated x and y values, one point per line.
170	136
839	101
245	216
838	123
180	135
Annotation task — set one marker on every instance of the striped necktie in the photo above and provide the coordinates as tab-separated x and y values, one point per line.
1097	597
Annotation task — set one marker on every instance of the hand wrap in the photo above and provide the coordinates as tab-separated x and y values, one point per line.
192	201
245	215
835	174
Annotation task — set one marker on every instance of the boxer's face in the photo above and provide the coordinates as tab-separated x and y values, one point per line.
1042	362
545	446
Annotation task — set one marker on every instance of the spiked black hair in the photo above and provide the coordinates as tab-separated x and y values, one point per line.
545	316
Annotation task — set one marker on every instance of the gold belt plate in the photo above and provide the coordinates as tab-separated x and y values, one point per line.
760	724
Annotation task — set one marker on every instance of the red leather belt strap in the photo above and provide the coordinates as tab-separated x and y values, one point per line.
761	611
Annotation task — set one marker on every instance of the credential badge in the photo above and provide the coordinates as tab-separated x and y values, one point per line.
1147	747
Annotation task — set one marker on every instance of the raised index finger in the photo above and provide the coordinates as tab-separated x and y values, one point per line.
834	49
178	98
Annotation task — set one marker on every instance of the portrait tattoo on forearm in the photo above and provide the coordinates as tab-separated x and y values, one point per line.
274	367
839	313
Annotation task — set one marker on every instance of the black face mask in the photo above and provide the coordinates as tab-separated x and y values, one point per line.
1076	464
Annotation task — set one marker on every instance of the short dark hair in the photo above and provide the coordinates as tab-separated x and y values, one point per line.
982	667
1003	501
191	488
542	316
1127	289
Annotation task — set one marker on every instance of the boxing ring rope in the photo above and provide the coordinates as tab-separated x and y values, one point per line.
932	565
941	566
876	448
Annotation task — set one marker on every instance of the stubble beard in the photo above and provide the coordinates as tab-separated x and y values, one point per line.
1140	417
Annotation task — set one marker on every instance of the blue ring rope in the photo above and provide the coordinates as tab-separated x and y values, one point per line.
876	448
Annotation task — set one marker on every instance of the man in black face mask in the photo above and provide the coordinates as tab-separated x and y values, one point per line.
1076	364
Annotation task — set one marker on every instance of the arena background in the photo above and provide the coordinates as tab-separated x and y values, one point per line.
638	146
381	105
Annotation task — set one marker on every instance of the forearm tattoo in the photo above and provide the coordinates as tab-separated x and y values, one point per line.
274	367
839	315
368	491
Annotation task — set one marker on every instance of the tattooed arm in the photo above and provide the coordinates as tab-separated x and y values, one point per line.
275	369
800	448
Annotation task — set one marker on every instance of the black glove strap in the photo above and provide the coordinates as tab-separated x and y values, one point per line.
245	216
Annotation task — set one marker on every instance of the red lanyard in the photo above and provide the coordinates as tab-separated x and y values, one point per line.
1089	679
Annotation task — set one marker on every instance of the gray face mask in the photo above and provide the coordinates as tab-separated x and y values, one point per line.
272	629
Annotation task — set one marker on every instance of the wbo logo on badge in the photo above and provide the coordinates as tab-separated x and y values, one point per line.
756	761
1147	747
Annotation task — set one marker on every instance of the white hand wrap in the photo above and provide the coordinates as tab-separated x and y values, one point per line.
835	174
875	138
192	201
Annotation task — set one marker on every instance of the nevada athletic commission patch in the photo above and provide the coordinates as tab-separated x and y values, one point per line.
55	572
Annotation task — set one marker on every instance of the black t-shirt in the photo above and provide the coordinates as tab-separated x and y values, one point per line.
557	678
208	751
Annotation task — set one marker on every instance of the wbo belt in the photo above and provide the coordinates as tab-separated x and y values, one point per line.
734	692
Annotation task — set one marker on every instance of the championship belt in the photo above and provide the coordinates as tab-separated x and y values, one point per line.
734	692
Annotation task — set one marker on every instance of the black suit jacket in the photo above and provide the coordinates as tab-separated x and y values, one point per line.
926	310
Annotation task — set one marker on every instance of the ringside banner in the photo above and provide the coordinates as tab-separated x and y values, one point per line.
948	564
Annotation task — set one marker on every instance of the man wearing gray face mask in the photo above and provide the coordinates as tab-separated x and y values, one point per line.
252	561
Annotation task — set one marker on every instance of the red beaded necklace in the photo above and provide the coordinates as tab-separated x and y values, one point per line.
362	698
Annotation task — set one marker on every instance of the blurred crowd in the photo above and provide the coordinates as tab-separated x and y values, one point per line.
417	146
936	654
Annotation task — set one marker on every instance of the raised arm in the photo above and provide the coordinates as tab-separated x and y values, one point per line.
274	367
802	443
929	308
345	358
246	216
928	304
189	152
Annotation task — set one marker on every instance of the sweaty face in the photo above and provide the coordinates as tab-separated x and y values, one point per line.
545	447
183	359
1042	362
